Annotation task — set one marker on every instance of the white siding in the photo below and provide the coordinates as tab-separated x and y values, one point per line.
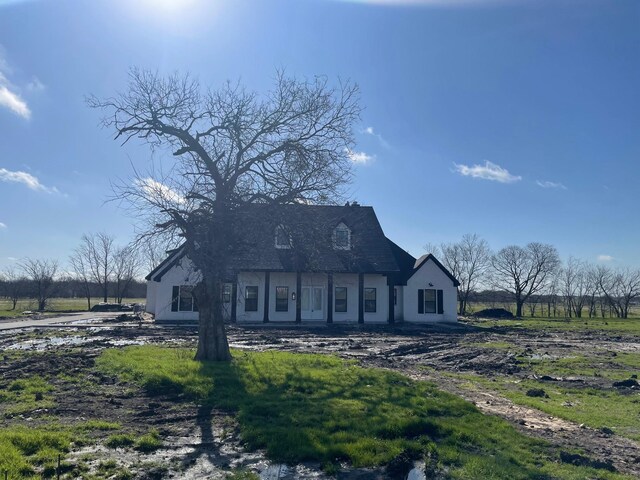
379	282
181	274
350	281
430	273
278	279
250	279
398	311
152	288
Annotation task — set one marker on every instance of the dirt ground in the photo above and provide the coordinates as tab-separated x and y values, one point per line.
201	442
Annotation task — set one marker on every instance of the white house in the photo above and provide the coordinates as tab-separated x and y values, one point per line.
310	263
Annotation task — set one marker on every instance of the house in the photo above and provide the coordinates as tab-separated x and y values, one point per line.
312	263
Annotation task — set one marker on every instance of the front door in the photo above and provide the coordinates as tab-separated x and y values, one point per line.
311	303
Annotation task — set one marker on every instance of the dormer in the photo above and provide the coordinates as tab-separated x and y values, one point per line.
342	237
282	237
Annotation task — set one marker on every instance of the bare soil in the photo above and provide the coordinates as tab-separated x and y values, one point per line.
203	443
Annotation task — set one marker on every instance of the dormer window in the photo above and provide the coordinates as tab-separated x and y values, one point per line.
342	237
283	239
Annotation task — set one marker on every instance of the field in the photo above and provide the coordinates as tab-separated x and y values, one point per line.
524	399
57	305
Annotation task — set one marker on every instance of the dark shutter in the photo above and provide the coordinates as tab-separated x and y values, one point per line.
175	297
421	301
440	306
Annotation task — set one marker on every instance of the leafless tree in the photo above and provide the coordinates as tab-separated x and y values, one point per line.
619	287
41	274
14	285
575	286
153	249
97	250
79	261
433	249
524	271
232	148
126	265
468	260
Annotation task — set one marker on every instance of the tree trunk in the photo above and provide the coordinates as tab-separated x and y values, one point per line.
519	304
212	337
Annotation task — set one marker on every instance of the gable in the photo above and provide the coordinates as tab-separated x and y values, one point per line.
425	260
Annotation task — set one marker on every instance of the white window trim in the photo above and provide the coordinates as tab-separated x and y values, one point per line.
282	246
342	226
424	301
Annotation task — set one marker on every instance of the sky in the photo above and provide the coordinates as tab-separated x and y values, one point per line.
517	120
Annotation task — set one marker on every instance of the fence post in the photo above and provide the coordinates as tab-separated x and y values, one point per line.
58	469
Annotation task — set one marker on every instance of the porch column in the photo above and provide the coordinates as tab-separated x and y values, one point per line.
234	301
265	317
392	305
298	297
361	298
330	297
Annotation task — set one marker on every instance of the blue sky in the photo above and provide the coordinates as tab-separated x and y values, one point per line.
516	120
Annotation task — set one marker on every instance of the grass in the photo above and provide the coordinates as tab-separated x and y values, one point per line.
320	408
25	451
55	305
627	326
597	364
26	395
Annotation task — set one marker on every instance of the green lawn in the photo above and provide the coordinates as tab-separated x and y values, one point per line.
589	396
56	305
627	326
321	408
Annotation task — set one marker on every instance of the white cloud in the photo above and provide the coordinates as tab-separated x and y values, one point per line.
35	85
9	98
26	179
605	258
3	225
360	158
488	171
372	132
159	191
548	184
14	102
12	259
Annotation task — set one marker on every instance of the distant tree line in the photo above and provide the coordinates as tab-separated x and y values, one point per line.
97	267
533	276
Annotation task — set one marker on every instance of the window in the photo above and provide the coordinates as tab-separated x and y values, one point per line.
341	299
342	237
251	299
182	299
226	293
430	301
283	239
282	299
370	300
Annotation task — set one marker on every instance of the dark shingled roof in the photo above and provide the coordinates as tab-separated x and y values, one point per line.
311	228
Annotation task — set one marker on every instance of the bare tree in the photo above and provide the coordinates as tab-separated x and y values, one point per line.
524	271
620	288
97	250
232	148
153	249
126	265
41	274
14	285
79	261
575	285
468	260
